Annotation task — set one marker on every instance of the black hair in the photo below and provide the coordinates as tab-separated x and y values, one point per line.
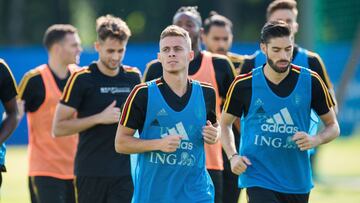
216	19
274	29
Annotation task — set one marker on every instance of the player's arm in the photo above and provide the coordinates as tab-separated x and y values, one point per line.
126	143
65	120
211	131
323	104
66	123
31	92
230	74
317	65
227	135
132	118
330	132
232	110
225	74
11	120
8	94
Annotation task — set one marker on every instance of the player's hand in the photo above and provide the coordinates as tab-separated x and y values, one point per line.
210	133
239	164
304	141
110	115
170	143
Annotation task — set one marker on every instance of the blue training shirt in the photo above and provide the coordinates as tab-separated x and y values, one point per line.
180	176
267	131
301	59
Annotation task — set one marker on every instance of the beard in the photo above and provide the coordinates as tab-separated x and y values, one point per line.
276	68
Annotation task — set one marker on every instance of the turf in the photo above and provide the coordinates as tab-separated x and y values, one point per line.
338	174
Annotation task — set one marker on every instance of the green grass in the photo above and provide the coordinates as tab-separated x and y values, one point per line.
15	186
338	168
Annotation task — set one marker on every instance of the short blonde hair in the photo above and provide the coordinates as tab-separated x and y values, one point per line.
176	31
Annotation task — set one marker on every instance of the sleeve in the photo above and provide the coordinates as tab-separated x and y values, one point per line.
321	100
210	103
135	73
230	76
134	111
138	78
237	61
32	91
153	71
316	64
234	102
8	89
75	89
248	65
225	74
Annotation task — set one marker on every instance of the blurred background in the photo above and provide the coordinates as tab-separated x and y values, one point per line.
329	27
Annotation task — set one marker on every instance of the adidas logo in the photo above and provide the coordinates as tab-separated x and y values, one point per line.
179	129
280	123
260	110
162	112
155	123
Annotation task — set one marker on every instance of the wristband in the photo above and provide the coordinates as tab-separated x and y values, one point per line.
232	156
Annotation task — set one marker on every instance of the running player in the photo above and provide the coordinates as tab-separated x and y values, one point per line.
274	102
205	67
8	121
217	37
286	10
91	106
51	160
175	116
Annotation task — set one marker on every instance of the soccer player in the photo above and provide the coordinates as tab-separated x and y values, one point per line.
274	101
8	121
287	11
217	37
175	116
205	67
51	160
91	105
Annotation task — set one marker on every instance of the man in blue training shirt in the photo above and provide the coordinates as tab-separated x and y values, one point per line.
274	103
175	116
287	11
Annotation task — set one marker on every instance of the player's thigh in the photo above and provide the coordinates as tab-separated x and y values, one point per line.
91	189
121	190
48	189
217	178
261	195
295	198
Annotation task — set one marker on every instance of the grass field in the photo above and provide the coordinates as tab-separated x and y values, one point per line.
338	168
